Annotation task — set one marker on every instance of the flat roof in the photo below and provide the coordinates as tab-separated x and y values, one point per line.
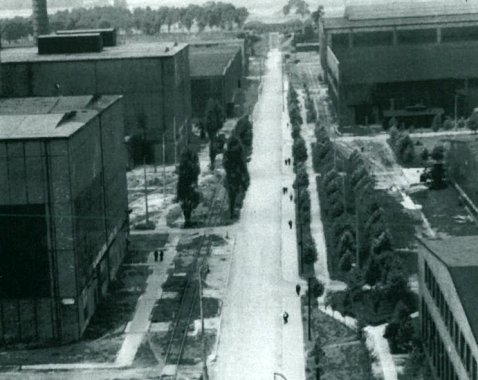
455	251
403	13
211	61
133	50
49	117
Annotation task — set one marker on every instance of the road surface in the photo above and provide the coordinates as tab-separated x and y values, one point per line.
254	343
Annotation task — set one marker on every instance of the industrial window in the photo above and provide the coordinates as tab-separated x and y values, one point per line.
24	263
462	347
474	374
416	36
468	359
469	33
373	39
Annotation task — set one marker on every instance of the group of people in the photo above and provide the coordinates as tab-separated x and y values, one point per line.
284	191
159	254
288	161
285	314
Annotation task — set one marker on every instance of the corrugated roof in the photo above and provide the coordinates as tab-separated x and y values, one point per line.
136	50
49	117
212	61
403	13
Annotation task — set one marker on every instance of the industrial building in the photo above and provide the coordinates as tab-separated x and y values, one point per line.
63	213
152	77
448	279
216	73
408	61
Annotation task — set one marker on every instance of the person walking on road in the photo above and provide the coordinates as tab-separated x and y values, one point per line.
285	317
297	289
290	224
155	256
161	255
291	197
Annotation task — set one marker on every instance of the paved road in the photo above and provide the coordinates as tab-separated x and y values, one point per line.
254	343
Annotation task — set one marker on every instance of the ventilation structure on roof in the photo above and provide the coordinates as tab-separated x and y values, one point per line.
40	18
74	43
109	35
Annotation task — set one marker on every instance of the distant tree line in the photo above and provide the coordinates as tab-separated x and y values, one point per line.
223	16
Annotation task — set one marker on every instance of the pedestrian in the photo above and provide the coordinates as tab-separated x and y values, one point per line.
285	317
155	256
285	161
297	289
291	198
283	190
161	255
290	224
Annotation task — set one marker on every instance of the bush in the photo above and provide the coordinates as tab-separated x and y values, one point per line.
316	288
299	150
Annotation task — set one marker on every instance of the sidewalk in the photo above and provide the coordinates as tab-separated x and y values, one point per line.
293	356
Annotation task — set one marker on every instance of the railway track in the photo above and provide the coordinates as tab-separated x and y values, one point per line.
178	333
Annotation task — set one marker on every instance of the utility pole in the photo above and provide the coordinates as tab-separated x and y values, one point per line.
456	110
175	142
145	189
164	167
309	291
203	338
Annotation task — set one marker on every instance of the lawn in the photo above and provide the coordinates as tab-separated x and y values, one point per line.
445	212
345	355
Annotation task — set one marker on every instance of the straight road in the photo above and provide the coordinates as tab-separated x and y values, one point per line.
254	342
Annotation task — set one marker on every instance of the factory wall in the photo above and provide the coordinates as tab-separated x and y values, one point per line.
80	183
156	90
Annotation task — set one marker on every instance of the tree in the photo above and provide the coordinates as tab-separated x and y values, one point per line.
437	175
187	187
317	15
346	261
473	122
237	175
214	121
425	154
316	288
299	150
436	123
438	152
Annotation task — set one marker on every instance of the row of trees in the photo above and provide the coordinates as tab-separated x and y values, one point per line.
301	183
359	243
238	148
149	21
402	144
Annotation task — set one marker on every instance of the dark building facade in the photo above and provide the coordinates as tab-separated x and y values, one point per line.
216	73
410	61
63	213
448	278
152	77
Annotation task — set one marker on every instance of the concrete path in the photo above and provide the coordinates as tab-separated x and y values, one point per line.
139	325
254	342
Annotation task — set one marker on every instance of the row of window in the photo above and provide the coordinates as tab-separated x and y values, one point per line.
436	349
461	346
406	37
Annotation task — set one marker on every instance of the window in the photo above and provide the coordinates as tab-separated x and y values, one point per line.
462	347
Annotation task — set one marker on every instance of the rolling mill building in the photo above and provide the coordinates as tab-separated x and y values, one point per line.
63	213
216	73
152	77
409	61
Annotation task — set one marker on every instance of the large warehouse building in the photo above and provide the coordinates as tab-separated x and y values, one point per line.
410	61
448	279
152	77
216	73
63	213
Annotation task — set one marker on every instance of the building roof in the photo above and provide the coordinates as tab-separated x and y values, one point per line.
136	50
403	13
211	61
50	117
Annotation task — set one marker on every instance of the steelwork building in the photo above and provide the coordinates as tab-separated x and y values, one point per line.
152	77
216	73
448	279
63	213
410	61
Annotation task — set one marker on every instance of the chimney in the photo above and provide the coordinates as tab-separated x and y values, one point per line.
40	18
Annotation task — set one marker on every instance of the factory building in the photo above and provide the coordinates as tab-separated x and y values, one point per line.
216	73
152	77
448	278
409	61
63	213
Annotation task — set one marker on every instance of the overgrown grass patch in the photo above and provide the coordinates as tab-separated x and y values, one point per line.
445	212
